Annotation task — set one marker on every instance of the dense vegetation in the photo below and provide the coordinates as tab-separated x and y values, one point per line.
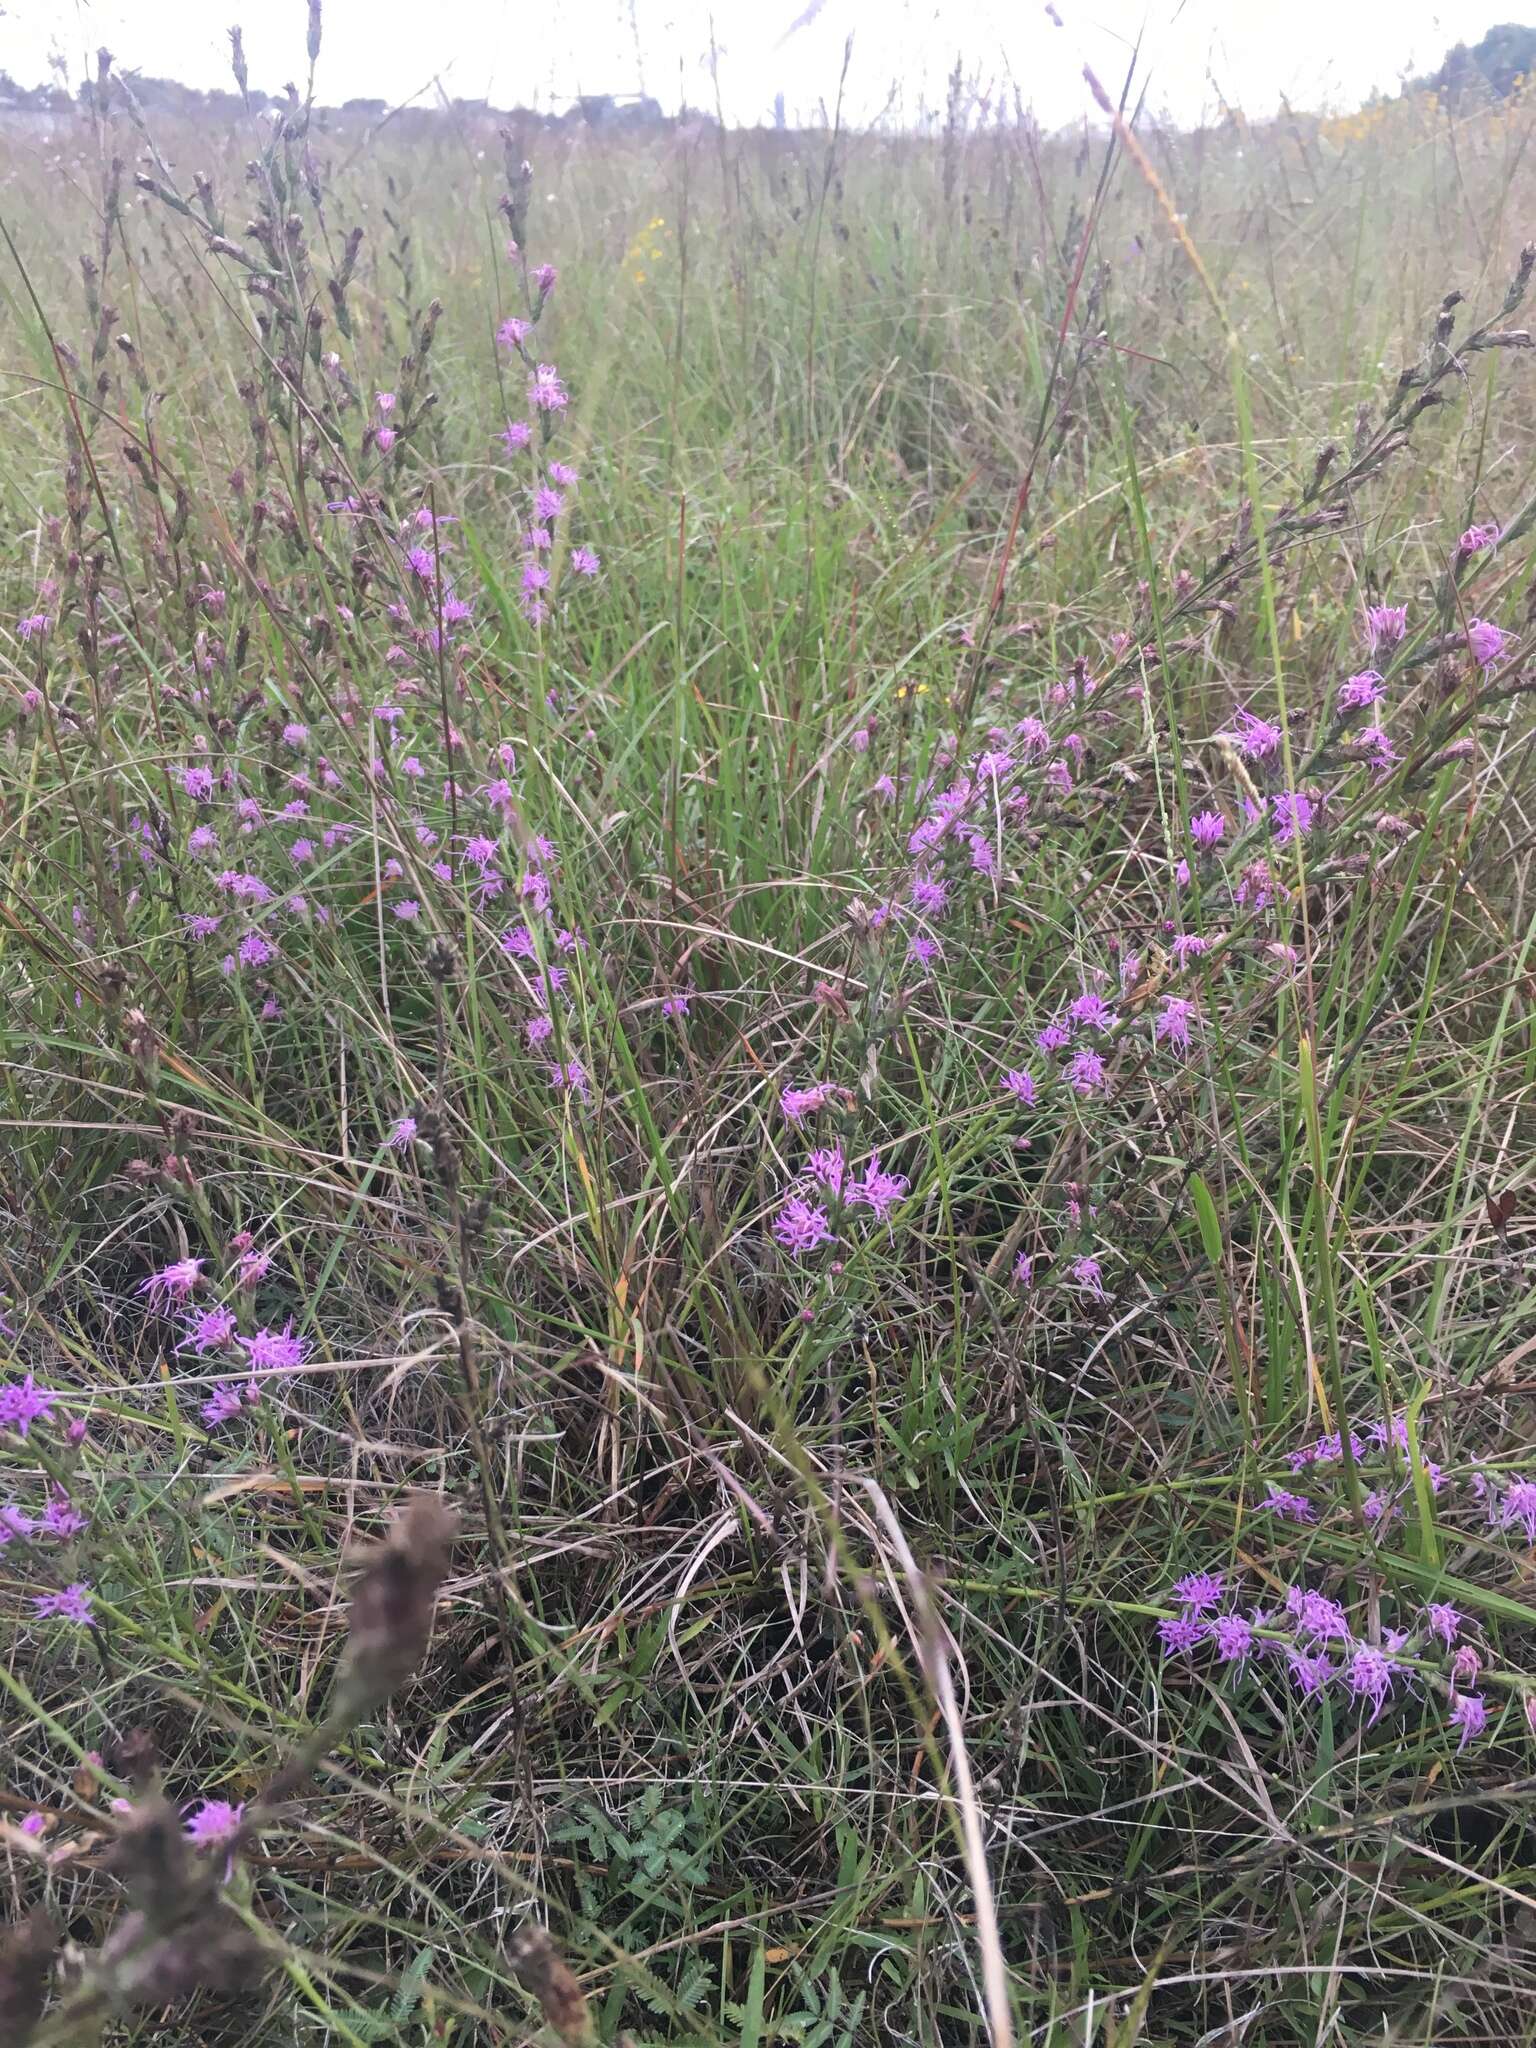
814	892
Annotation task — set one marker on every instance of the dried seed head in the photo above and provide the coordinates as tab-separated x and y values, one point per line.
540	1969
392	1603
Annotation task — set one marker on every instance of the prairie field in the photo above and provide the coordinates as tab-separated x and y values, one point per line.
768	1263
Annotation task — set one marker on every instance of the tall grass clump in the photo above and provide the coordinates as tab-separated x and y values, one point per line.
766	943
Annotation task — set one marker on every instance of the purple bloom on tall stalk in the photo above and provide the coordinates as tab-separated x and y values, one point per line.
1469	1715
1290	1507
1476	539
1486	641
1179	1634
1085	1072
877	1190
1316	1616
70	1603
1089	1275
1369	1675
1385	625
584	562
516	434
796	1104
1207	829
1310	1671
1519	1506
828	1168
274	1350
801	1226
1233	1637
1199	1592
1293	812
1024	1270
1357	692
23	1402
1090	1010
1020	1085
1174	1021
1255	738
930	895
172	1283
512	333
221	1405
213	1822
209	1330
545	390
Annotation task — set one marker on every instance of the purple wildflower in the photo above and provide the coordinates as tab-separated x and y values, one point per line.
211	1329
1020	1085
221	1405
1290	1507
1207	829
1293	811
1233	1637
1519	1505
1199	1592
172	1283
1179	1635
797	1104
800	1226
1475	539
1254	738
1385	625
1486	641
24	1402
70	1603
1024	1270
1091	1011
929	896
1085	1072
1053	1037
214	1822
1369	1674
570	1079
1174	1021
545	390
1358	691
275	1350
584	562
1089	1275
1310	1670
62	1518
516	434
828	1168
878	1190
1469	1714
513	332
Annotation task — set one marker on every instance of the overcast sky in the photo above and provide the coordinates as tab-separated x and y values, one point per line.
537	52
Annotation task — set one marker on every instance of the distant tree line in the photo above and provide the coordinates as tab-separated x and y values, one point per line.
1504	56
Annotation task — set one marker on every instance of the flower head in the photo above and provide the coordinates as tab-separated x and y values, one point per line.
1199	1592
220	1405
1358	691
1444	1621
275	1350
877	1190
172	1283
1255	738
801	1226
1289	1507
1207	829
1385	625
1233	1637
1085	1072
545	390
1369	1675
213	1822
1179	1634
70	1603
1020	1085
23	1402
1173	1021
1469	1715
210	1329
1486	641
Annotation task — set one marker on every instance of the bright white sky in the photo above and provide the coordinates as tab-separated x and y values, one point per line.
539	52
